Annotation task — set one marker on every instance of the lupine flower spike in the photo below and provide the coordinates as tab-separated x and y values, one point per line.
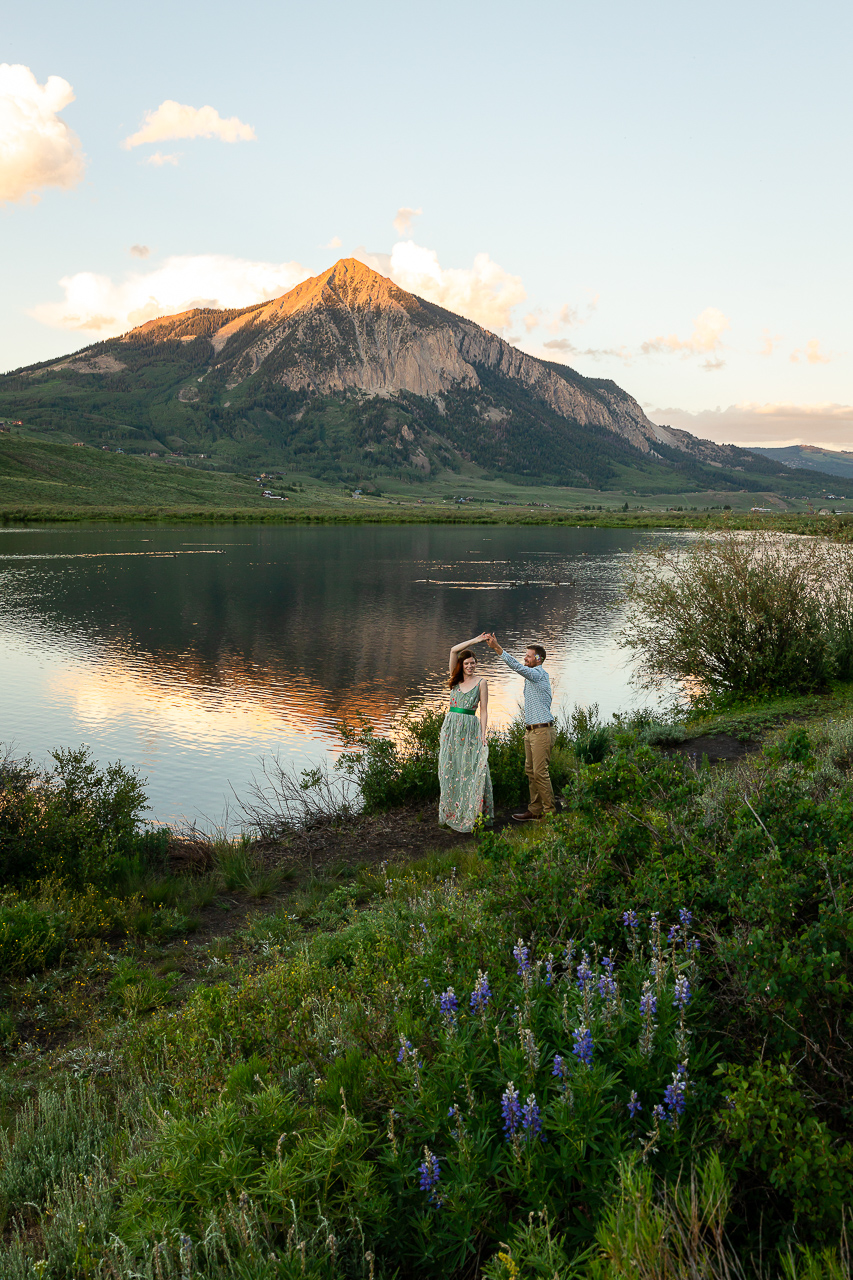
648	1009
560	1069
481	995
449	1007
582	1047
511	1111
430	1172
531	1119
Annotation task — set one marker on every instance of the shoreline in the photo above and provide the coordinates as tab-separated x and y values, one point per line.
837	526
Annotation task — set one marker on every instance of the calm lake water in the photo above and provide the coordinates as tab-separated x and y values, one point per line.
191	652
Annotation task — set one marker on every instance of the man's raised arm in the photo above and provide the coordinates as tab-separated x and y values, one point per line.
535	674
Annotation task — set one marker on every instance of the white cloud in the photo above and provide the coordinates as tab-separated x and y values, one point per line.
176	120
484	292
158	159
811	353
139	251
770	342
334	243
98	305
37	149
402	224
706	338
565	347
826	425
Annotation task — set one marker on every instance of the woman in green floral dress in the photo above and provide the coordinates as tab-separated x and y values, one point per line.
463	757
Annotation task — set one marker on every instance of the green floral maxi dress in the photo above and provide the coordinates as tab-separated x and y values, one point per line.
463	764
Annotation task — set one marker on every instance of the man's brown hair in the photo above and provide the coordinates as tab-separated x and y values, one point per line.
538	650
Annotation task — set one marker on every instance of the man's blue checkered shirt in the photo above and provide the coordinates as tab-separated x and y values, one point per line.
537	690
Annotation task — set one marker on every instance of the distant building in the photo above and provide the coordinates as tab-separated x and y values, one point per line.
79	444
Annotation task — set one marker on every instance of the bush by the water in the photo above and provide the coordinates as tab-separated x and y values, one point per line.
74	821
737	614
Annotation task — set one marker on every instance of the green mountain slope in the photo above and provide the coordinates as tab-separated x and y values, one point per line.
350	379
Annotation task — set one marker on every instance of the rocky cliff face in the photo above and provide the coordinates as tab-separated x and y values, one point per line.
351	328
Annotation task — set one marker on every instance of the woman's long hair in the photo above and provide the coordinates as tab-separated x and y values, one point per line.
457	675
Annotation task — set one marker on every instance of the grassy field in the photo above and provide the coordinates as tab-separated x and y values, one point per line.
612	1046
48	481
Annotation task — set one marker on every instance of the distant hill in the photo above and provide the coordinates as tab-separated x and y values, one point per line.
812	458
348	377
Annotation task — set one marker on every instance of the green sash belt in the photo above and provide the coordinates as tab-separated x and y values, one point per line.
464	711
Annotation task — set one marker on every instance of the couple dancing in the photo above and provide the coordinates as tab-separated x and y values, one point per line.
463	759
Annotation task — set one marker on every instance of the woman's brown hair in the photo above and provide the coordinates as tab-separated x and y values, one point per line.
457	675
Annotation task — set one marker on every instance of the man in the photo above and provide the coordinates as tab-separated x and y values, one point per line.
539	730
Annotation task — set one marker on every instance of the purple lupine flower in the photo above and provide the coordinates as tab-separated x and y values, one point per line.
686	917
682	996
582	1047
405	1049
510	1110
529	1048
675	930
531	1119
522	957
430	1172
630	919
584	972
482	993
634	1104
455	1114
658	1114
449	1005
607	987
549	969
648	1001
675	1094
692	944
559	1067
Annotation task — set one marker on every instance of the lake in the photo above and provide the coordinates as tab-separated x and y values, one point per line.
192	651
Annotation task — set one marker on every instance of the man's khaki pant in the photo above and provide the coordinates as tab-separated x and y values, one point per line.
538	744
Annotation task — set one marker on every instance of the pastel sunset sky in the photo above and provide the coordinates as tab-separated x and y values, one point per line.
658	193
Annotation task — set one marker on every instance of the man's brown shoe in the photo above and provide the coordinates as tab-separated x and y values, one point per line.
526	816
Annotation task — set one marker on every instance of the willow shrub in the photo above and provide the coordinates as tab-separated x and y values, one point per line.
75	821
741	614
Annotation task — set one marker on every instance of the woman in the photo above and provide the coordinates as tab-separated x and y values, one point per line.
463	758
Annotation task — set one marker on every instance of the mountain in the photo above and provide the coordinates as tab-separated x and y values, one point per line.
349	376
811	457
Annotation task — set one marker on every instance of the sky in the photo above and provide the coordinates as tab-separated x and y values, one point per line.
659	193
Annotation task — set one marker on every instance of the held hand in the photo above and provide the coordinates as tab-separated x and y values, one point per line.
492	642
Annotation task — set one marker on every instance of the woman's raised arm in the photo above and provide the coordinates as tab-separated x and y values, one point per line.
464	644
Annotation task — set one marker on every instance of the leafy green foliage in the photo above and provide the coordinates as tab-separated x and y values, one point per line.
76	821
741	615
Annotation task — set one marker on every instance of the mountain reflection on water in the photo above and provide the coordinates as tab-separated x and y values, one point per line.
192	651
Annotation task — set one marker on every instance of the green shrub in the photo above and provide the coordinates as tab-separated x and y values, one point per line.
781	1142
31	938
75	822
739	614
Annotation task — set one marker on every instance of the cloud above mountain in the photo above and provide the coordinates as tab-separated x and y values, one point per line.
706	339
97	305
483	292
772	425
403	221
37	148
177	120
